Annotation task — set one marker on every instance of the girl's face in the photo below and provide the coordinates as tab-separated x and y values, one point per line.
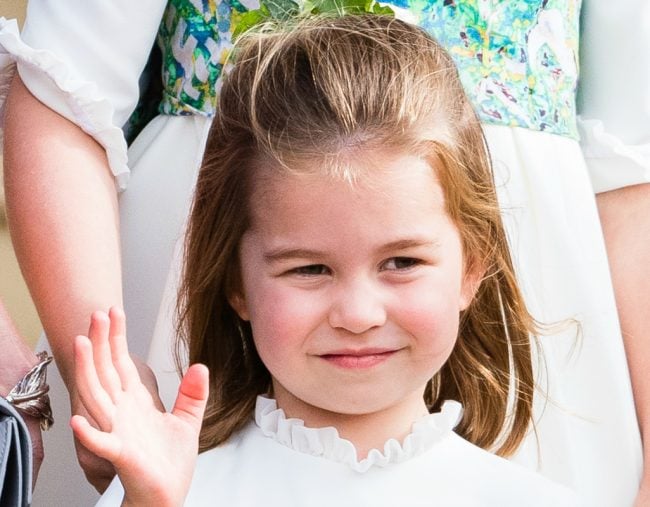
353	291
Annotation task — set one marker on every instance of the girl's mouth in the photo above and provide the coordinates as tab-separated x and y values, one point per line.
358	359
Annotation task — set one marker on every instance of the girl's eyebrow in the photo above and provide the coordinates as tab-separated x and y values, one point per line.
280	254
404	244
292	253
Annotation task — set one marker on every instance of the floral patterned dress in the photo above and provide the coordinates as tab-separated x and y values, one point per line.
518	60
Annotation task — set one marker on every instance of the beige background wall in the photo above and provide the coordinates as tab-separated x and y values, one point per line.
12	8
12	288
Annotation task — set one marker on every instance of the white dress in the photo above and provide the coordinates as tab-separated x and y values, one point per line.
587	436
278	461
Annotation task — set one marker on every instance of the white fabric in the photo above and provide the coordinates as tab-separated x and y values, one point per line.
279	461
326	442
587	433
588	436
52	82
614	98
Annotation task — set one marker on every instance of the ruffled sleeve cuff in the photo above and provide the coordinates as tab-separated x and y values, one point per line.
52	82
612	164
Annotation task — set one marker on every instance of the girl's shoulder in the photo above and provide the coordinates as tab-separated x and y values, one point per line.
496	479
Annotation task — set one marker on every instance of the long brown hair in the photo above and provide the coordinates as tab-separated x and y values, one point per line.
309	92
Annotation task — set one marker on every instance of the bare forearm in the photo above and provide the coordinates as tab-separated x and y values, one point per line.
62	213
625	215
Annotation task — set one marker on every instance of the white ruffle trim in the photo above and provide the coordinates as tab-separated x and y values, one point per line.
91	112
612	163
325	442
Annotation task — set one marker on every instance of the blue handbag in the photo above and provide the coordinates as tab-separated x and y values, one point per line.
15	459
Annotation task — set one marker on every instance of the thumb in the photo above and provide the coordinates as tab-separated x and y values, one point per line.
192	395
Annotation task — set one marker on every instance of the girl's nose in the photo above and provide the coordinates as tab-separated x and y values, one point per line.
357	307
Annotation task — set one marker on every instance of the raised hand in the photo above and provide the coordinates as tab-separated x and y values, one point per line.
98	471
153	452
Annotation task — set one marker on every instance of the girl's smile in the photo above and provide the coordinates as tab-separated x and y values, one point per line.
353	290
363	358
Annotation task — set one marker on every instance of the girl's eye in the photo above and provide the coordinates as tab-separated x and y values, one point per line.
400	263
311	270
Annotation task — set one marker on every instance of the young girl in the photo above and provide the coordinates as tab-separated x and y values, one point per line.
72	94
346	276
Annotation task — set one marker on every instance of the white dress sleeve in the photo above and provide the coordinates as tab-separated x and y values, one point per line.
83	59
614	92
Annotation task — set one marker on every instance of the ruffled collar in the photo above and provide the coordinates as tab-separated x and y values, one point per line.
325	442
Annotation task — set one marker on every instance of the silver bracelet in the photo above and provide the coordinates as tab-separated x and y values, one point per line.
29	396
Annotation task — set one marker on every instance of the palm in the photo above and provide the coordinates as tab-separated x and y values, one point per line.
148	447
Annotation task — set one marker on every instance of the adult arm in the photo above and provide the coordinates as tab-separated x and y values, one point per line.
79	64
17	360
62	214
615	109
625	217
77	83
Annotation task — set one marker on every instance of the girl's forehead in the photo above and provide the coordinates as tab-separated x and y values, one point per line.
314	215
391	188
364	172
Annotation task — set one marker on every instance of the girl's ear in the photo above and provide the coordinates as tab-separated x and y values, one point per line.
238	303
471	282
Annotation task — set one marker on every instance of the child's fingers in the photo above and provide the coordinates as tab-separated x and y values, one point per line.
192	395
97	402
96	441
99	336
127	371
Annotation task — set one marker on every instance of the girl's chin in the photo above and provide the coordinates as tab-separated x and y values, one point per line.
347	405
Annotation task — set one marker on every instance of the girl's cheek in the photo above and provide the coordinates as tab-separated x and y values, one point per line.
285	316
432	317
